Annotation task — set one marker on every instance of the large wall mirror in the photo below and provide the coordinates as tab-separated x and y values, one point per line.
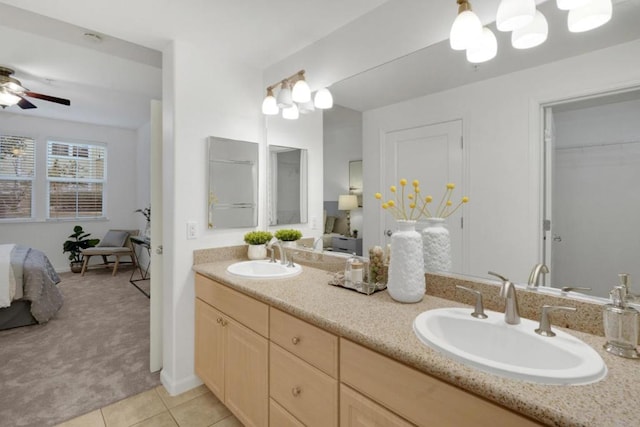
287	192
233	183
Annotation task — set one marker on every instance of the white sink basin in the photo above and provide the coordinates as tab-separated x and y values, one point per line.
263	269
512	351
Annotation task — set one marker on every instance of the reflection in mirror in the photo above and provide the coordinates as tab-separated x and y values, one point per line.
355	179
233	183
287	201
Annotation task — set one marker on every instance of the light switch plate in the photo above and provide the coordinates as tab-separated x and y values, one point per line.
192	226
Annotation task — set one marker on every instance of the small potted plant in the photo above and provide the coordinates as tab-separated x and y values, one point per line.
77	242
256	241
288	235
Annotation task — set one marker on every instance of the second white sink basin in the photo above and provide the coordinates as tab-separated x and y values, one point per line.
263	269
513	351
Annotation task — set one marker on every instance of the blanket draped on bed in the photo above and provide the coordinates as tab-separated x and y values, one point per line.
35	281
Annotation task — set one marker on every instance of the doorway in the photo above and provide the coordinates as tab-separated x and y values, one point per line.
592	152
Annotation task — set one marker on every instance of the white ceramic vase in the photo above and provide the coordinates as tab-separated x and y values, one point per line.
406	267
436	246
257	252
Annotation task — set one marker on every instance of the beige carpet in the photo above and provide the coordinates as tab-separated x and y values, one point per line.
94	352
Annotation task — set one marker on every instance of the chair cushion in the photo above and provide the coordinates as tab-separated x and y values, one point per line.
104	250
114	239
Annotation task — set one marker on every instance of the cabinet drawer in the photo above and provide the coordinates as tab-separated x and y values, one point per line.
306	392
279	417
246	310
312	344
358	411
420	398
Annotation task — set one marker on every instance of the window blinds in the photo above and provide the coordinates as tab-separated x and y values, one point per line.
17	161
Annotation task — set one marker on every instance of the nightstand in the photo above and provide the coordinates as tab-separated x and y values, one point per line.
347	245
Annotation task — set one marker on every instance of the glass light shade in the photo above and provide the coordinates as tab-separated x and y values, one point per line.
590	16
291	113
323	99
570	4
270	106
466	28
306	107
284	99
301	92
8	99
514	14
532	35
484	48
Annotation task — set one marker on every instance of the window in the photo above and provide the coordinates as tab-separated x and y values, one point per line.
76	180
16	176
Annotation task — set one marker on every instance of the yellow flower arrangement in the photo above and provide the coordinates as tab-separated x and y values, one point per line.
419	206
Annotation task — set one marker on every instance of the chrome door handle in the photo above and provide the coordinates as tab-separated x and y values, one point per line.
388	233
557	238
159	250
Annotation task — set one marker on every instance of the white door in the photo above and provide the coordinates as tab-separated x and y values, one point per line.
432	154
155	350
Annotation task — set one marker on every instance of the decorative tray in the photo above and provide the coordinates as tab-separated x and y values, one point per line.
366	288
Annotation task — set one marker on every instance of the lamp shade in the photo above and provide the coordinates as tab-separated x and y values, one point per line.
270	106
284	99
323	99
514	14
301	92
291	113
8	99
347	202
306	107
483	49
531	35
466	28
590	16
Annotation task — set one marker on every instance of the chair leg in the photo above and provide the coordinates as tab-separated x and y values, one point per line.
115	266
84	264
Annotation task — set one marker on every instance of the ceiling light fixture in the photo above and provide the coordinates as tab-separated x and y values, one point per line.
294	98
529	27
466	27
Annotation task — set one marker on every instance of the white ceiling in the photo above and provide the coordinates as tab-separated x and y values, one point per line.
111	83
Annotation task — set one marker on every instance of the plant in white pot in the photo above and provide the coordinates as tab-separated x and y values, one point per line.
257	241
288	235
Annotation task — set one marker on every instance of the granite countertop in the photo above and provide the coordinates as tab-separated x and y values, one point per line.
378	322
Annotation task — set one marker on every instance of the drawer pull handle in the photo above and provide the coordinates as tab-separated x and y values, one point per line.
295	340
296	391
221	321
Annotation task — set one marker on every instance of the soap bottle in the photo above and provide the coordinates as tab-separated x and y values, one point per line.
621	325
353	272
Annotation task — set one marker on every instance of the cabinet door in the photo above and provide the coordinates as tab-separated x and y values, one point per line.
210	347
358	411
246	382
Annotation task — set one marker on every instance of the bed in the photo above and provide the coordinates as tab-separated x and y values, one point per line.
28	287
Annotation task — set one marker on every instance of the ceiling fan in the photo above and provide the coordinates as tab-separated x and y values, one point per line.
12	92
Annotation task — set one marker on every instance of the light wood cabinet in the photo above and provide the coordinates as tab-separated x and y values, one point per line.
231	359
358	411
279	417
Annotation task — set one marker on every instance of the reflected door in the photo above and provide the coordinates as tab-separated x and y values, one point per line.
431	154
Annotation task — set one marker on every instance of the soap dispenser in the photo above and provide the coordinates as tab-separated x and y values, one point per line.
621	325
353	272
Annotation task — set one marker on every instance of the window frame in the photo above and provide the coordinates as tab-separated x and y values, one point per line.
22	178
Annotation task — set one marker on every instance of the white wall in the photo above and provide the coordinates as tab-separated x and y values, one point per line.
121	194
501	127
204	94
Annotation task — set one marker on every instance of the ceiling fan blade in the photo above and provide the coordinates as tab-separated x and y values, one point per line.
48	98
25	104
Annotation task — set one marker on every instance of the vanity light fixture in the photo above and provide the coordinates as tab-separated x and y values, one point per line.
529	27
294	98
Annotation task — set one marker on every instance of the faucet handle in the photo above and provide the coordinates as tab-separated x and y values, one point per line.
290	264
504	279
574	288
545	324
478	312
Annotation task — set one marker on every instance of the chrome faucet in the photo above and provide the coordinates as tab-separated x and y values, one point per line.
283	254
508	291
315	244
534	277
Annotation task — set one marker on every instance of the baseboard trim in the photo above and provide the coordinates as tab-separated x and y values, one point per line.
175	387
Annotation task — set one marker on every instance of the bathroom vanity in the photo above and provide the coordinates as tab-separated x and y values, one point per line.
296	351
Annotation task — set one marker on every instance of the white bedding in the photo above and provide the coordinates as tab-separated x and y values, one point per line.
7	278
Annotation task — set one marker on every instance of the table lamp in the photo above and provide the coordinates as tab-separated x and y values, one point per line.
347	202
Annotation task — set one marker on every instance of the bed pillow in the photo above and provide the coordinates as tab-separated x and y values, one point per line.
114	239
328	224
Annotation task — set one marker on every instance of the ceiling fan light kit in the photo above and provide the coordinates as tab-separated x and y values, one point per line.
13	93
295	98
529	27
